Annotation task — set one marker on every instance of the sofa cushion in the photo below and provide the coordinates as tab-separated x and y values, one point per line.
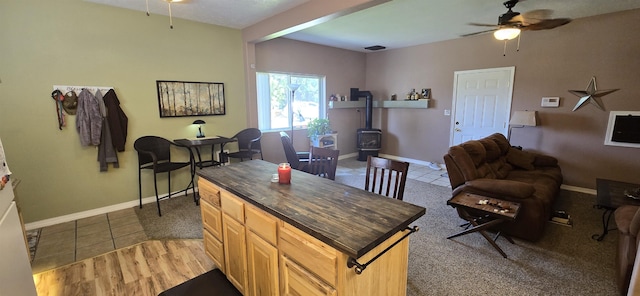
501	167
491	149
478	155
545	160
521	159
502	188
476	151
501	141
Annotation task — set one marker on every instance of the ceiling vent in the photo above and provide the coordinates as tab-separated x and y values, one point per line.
375	47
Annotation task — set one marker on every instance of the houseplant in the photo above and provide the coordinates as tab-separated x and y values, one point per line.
318	127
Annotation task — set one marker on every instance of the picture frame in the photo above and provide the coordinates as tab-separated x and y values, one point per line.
188	98
426	93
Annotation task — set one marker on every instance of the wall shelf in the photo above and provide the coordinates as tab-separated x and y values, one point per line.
416	104
346	104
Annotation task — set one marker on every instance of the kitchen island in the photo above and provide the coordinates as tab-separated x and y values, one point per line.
311	237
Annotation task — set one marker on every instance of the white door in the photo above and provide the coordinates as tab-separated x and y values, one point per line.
481	103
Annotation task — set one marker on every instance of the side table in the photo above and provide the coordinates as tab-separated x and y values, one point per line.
610	196
482	213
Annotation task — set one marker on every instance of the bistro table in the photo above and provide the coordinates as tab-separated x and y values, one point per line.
196	143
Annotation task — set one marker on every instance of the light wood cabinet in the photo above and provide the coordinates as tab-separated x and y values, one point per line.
212	223
262	260
317	257
235	250
263	255
214	249
298	281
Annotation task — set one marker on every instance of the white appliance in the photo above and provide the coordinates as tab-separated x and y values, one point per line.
16	277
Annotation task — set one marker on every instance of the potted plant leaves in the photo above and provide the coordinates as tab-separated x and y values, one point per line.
317	128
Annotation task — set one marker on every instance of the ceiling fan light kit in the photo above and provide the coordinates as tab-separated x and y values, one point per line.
506	33
511	23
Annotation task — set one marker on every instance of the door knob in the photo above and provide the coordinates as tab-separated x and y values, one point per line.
458	130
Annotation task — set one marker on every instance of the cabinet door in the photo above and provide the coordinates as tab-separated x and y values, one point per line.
214	249
262	266
211	219
299	282
235	250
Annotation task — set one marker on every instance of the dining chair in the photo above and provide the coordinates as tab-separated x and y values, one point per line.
248	144
323	162
154	153
384	174
297	160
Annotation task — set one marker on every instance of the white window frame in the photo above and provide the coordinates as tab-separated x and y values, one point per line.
264	100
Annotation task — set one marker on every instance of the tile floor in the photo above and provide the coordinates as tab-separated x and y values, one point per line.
68	242
73	241
416	171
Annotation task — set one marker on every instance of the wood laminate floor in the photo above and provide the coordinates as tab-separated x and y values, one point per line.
144	269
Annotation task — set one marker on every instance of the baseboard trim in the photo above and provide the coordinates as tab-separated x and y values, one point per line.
579	189
350	155
93	212
410	160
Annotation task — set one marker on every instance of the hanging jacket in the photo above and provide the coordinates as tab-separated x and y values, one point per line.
106	152
88	119
116	119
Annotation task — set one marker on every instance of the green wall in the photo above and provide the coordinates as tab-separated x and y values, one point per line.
72	42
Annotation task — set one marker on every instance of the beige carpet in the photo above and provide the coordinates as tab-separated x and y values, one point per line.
566	261
180	218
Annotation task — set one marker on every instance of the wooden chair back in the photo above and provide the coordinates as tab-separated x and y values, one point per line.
383	175
323	162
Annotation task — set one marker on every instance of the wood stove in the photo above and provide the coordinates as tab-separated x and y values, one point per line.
369	139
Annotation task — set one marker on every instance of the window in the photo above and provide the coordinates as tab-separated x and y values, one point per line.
281	108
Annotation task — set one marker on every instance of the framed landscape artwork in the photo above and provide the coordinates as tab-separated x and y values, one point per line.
186	98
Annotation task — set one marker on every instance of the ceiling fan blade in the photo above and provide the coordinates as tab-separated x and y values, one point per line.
478	33
534	16
482	25
547	24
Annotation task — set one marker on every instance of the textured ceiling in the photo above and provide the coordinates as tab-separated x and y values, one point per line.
237	14
395	24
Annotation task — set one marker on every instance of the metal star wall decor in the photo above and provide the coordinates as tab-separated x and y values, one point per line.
591	95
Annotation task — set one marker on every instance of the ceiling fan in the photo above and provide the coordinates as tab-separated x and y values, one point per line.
511	23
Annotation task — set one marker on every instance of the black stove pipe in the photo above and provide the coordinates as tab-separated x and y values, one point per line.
356	94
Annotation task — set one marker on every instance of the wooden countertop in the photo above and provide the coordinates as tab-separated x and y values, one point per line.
350	219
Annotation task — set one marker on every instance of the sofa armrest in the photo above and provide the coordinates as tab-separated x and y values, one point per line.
500	188
541	160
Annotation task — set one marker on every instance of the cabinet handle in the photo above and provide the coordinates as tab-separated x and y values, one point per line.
361	267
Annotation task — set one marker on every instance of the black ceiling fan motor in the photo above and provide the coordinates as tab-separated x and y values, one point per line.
506	17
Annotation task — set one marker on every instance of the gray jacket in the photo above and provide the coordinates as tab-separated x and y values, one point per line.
89	119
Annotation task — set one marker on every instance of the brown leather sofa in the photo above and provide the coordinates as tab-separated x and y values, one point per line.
628	222
492	168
